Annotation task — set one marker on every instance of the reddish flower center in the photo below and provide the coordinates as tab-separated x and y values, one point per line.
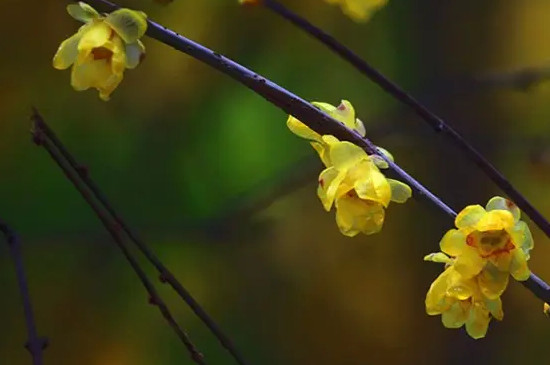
102	53
490	243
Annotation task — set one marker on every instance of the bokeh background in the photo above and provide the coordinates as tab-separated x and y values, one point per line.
209	175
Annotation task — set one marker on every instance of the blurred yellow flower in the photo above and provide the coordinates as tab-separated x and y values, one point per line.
492	242
249	2
460	300
359	10
546	309
357	188
102	48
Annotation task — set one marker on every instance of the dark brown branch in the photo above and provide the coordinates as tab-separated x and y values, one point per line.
41	138
35	344
165	275
437	123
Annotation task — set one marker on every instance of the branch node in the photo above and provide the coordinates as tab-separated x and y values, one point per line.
164	277
83	171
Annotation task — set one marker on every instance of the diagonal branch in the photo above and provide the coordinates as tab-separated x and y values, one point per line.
437	123
35	344
301	109
43	140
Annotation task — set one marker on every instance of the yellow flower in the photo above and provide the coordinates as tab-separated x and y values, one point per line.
352	181
345	114
546	309
460	300
102	48
357	188
493	235
359	10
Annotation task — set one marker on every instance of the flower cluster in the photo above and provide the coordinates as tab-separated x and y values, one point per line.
352	181
488	246
359	10
102	48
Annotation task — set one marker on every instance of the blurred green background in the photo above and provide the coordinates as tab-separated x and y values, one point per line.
209	175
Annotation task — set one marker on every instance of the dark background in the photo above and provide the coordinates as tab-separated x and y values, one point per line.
210	176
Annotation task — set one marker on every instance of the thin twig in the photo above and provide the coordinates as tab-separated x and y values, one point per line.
296	106
436	122
35	344
41	138
166	275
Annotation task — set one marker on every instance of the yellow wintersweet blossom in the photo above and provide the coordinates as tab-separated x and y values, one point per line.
359	10
491	242
345	114
352	181
357	188
460	300
102	48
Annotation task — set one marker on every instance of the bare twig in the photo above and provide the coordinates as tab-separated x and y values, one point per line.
35	344
437	123
166	275
41	138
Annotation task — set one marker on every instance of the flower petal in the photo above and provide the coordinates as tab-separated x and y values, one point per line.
453	242
344	113
469	263
87	73
96	35
400	192
435	298
500	203
373	186
82	12
134	54
522	238
492	282
379	161
129	24
455	316
478	321
67	52
323	152
345	154
439	257
360	127
329	181
386	153
518	266
502	261
459	287
495	308
354	215
469	217
496	220
301	130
